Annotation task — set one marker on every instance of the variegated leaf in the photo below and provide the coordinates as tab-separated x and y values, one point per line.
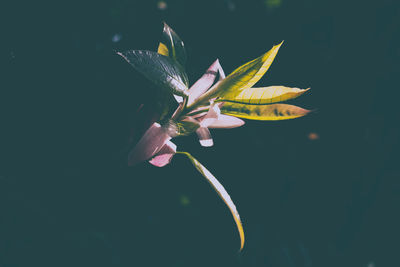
264	95
243	77
263	112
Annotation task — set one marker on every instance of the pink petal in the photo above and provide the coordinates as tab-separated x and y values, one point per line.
150	143
226	122
204	83
178	98
205	137
165	155
212	115
221	72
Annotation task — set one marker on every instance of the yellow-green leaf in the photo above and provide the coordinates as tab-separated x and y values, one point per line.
243	77
265	95
163	50
187	127
220	191
263	112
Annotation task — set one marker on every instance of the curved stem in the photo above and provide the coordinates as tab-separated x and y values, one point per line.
181	108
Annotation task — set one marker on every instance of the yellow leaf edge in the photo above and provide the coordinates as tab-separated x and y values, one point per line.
223	194
219	90
281	98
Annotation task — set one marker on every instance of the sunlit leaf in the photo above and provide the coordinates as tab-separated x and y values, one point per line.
221	192
265	95
243	77
172	46
159	69
263	112
163	50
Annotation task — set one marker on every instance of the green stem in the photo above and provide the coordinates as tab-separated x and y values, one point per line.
181	108
183	153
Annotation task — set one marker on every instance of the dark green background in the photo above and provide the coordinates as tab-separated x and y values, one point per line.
67	103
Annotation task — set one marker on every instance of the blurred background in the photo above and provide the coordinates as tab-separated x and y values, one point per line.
322	190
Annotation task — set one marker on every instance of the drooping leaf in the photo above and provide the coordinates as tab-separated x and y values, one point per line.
159	69
243	77
221	192
264	95
172	46
263	112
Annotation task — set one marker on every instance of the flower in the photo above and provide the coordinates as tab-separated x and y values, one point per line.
213	101
155	145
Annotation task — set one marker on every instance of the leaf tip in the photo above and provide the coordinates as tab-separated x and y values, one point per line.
306	112
303	91
241	233
121	54
278	46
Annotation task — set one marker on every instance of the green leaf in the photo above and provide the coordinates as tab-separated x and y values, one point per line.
264	95
243	77
187	127
165	104
159	69
220	191
263	112
172	46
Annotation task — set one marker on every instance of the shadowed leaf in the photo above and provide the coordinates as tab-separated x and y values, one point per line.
172	46
159	69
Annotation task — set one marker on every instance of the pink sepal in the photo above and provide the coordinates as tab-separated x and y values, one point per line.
151	142
226	122
165	155
205	82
